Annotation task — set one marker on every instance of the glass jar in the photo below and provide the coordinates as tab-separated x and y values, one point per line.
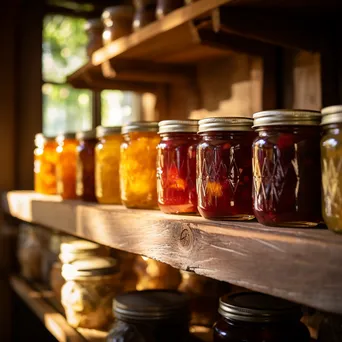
255	317
164	7
176	166
117	22
143	17
153	316
94	29
286	168
85	182
331	150
45	158
138	180
224	168
107	159
66	165
89	290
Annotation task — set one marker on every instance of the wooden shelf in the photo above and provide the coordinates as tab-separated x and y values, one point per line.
302	265
42	303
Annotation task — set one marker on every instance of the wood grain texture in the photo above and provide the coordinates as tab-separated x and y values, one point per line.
302	265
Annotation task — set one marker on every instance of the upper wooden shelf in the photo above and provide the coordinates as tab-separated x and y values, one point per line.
302	265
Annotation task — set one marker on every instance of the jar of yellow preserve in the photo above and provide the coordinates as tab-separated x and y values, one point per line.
107	157
331	155
138	165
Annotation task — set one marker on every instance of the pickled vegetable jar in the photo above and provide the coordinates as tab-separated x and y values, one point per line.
66	165
85	186
176	166
45	158
224	168
138	165
87	296
255	317
107	158
286	168
331	150
151	316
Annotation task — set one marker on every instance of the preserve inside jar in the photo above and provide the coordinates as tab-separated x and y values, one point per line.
87	295
66	165
224	168
176	166
107	158
331	150
138	181
45	159
286	168
255	317
94	29
154	316
85	186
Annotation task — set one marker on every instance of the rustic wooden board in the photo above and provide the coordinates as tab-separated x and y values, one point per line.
302	265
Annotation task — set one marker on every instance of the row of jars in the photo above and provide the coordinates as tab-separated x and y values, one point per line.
225	168
119	21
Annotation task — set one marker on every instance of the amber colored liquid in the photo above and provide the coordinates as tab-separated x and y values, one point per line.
224	175
66	169
176	173
138	180
287	177
45	160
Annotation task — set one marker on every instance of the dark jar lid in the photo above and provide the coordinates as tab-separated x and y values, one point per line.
258	307
332	115
225	124
84	135
120	11
152	305
140	126
107	131
178	126
293	117
65	136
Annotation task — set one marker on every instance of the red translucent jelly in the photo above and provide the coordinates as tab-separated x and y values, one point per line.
224	168
176	167
286	168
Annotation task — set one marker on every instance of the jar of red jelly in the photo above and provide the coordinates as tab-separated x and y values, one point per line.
85	169
256	317
176	166
286	168
224	168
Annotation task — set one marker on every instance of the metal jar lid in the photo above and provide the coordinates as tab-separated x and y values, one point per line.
102	131
120	11
65	136
178	126
79	246
225	124
279	117
151	305
258	307
332	115
140	126
86	135
91	267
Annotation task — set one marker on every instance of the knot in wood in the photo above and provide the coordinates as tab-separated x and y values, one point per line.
186	238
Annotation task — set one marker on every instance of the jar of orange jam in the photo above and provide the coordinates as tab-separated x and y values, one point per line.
45	158
138	165
107	157
66	165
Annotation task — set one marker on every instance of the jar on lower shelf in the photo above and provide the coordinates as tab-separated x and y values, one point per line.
87	296
66	165
154	316
331	150
255	317
107	159
138	160
287	169
176	166
224	168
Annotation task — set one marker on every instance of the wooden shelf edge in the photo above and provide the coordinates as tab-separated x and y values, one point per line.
302	265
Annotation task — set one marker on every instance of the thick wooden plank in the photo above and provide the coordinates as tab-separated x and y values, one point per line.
302	265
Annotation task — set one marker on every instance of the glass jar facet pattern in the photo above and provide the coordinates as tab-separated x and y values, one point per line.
138	160
224	170
287	174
